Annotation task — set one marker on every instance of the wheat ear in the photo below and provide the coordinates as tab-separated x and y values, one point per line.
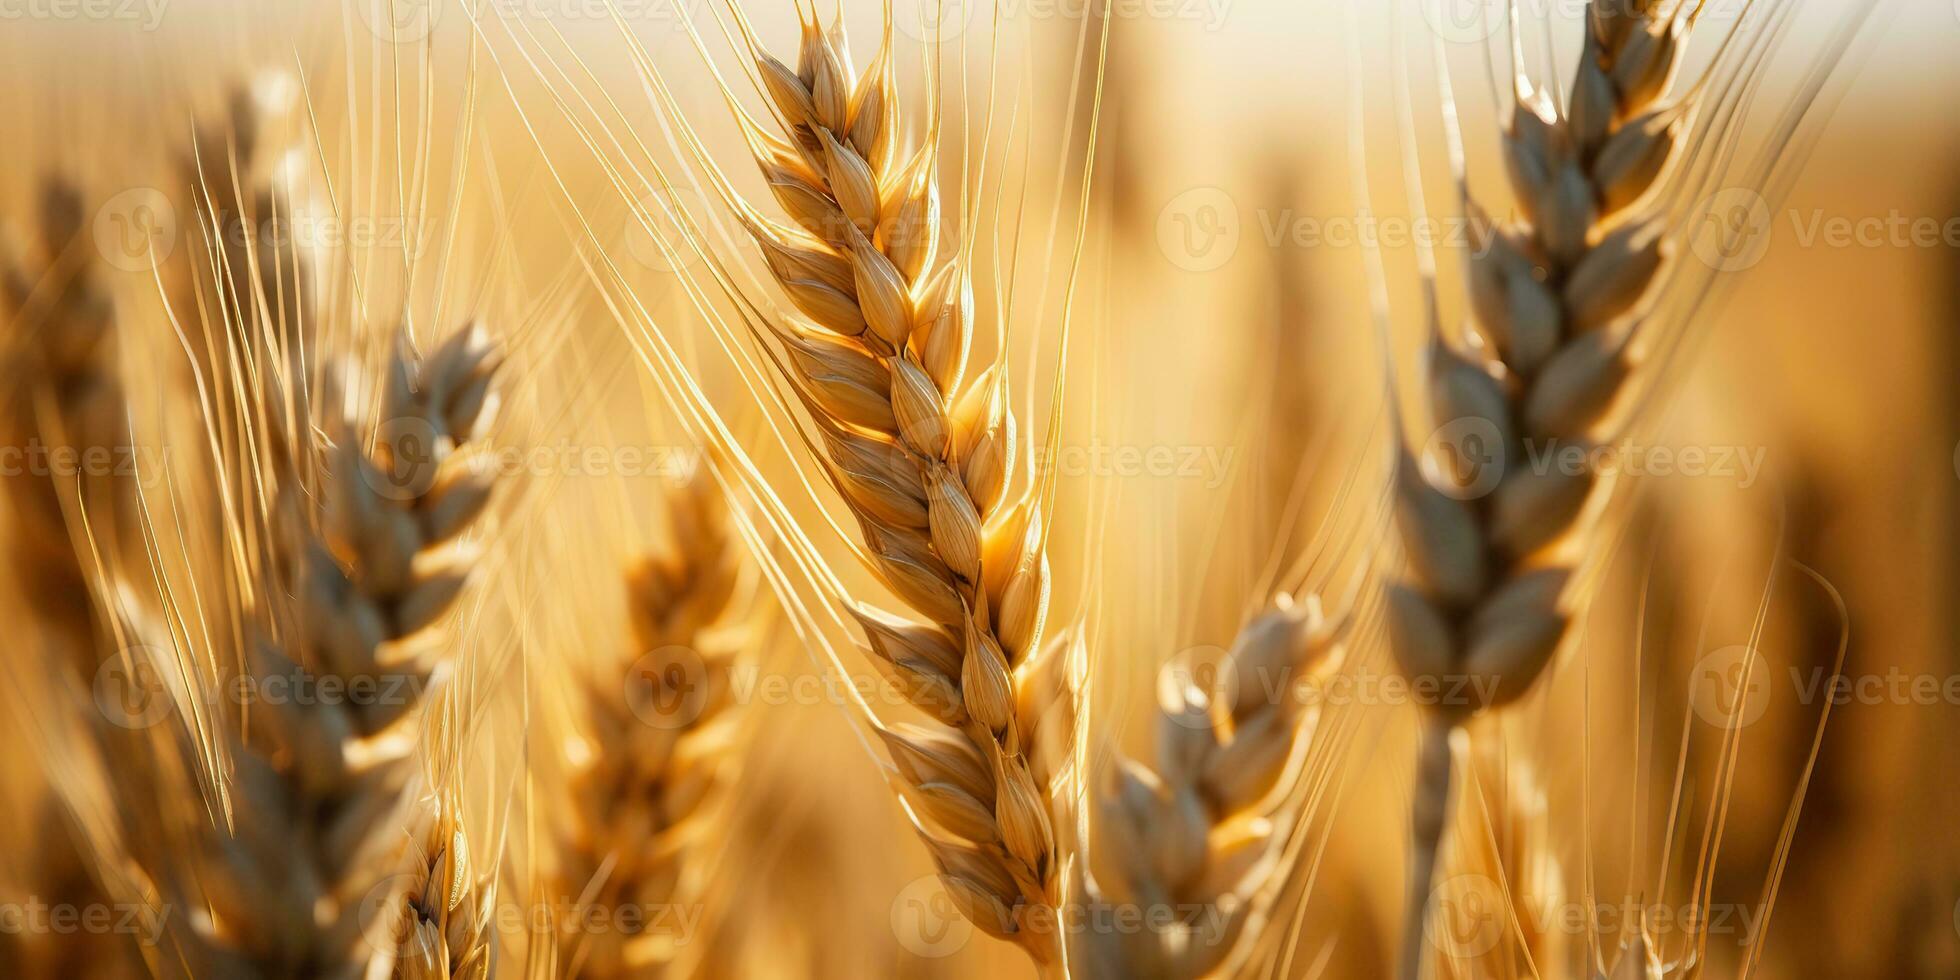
371	559
449	907
1184	835
656	757
924	459
1556	295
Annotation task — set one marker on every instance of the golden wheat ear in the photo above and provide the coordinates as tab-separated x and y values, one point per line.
926	456
660	751
449	908
1186	832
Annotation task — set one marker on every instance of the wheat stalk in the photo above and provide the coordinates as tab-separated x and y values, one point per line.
638	802
924	457
1185	835
1500	858
370	561
1557	295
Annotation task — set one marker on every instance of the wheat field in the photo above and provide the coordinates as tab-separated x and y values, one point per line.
940	488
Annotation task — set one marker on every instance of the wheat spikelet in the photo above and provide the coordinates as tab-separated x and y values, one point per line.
1186	835
656	757
924	457
1557	296
368	570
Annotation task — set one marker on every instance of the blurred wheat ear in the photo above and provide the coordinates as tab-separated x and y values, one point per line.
1559	296
662	738
63	393
75	551
366	564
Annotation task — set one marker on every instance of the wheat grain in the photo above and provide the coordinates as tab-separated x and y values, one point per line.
924	457
1186	835
659	751
1556	295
